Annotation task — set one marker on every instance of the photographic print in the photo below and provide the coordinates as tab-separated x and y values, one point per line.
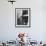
22	17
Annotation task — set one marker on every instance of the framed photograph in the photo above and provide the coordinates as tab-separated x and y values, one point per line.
22	17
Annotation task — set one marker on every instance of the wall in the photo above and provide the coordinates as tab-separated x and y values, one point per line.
8	31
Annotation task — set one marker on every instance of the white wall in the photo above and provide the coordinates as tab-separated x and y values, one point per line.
8	31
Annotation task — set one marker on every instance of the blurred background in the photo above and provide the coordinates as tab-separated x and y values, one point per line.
37	31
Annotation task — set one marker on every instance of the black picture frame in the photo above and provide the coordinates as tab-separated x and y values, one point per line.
23	14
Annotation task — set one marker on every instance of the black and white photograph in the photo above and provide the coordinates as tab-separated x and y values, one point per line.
22	17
